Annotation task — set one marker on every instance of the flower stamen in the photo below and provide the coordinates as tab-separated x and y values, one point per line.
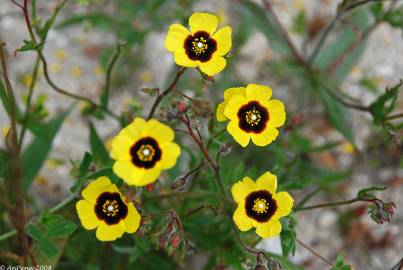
260	206
253	117
146	152
110	208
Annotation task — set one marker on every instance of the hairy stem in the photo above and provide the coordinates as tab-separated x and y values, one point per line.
161	96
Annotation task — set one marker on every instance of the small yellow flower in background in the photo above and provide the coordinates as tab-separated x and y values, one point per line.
4	131
27	80
60	55
55	68
146	76
142	150
348	148
103	207
203	46
76	72
98	70
252	114
260	206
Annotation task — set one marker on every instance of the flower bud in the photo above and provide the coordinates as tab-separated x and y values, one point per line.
180	183
176	239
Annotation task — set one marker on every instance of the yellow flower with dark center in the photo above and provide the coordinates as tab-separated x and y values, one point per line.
103	207
203	46
142	150
252	114
259	205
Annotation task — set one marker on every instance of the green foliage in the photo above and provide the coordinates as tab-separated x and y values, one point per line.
29	45
36	152
45	245
366	193
288	234
385	104
340	264
299	23
101	155
337	113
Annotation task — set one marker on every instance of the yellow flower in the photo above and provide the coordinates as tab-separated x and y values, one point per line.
103	207
142	150
252	114
203	46
259	205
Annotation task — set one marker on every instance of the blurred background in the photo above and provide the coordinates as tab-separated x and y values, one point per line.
334	152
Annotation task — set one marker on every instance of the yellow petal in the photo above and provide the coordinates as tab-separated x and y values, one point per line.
242	221
267	181
95	188
258	92
170	154
203	22
269	229
266	137
220	112
161	132
176	37
128	172
132	221
213	66
149	176
230	92
107	232
238	134
276	113
86	214
242	189
284	204
181	59
224	41
233	105
121	148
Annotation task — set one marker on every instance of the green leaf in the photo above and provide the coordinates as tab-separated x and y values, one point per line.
99	20
101	155
47	248
33	231
3	162
395	17
44	244
288	234
37	151
337	113
29	46
385	104
83	2
366	192
62	229
260	18
85	164
331	53
340	264
299	24
6	103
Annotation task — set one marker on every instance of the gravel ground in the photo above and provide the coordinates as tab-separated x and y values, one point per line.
366	245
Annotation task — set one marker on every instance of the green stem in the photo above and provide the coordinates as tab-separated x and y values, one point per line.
296	209
161	96
28	105
109	70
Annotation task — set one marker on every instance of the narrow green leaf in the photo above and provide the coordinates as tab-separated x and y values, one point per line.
85	164
288	235
337	113
366	193
260	18
340	264
37	151
360	21
101	155
385	103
